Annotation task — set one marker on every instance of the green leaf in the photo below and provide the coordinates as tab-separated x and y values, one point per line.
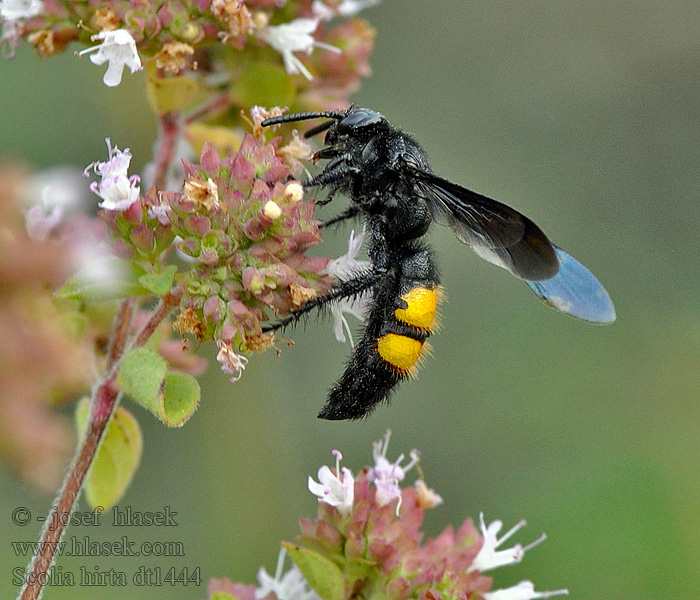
180	398
170	396
141	375
121	283
116	459
169	94
322	574
359	568
263	84
222	596
160	283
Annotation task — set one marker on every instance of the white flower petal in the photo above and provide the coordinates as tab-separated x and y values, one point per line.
39	222
14	10
231	362
347	8
386	476
288	586
118	49
489	557
525	590
333	489
345	267
292	37
117	190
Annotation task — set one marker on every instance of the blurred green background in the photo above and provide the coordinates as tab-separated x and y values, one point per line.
586	117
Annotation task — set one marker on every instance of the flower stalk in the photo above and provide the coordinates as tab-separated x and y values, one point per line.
103	403
170	132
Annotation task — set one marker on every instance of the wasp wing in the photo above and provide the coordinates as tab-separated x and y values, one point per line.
507	238
497	233
575	291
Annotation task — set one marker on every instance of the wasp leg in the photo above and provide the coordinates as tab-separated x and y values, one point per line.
349	213
342	289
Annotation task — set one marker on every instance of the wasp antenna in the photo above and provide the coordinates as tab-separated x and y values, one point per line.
302	116
318	129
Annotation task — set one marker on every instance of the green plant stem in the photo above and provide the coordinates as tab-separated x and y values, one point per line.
104	401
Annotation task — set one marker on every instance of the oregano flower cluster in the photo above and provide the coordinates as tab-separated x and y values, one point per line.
366	541
253	50
240	229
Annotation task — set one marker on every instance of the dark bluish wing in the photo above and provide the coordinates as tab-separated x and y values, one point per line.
496	232
575	291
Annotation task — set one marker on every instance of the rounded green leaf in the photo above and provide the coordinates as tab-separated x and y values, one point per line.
141	376
180	398
264	84
117	457
321	573
170	94
170	396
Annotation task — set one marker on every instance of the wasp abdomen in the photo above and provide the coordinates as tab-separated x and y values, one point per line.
400	321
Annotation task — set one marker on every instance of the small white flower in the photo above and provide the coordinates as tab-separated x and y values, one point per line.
52	194
347	8
118	48
13	13
10	37
231	362
96	265
15	10
292	37
288	586
488	557
259	113
332	488
525	590
117	190
386	476
39	222
160	212
345	267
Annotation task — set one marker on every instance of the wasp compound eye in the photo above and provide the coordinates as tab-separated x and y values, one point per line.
357	118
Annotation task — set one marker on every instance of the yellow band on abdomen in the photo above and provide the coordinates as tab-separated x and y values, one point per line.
399	351
422	303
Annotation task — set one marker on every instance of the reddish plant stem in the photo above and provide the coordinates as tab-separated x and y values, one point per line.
217	104
103	404
166	304
120	331
105	397
170	131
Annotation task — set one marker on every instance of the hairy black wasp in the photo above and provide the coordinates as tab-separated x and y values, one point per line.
386	175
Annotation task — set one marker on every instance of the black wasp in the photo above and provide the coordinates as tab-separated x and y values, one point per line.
386	175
